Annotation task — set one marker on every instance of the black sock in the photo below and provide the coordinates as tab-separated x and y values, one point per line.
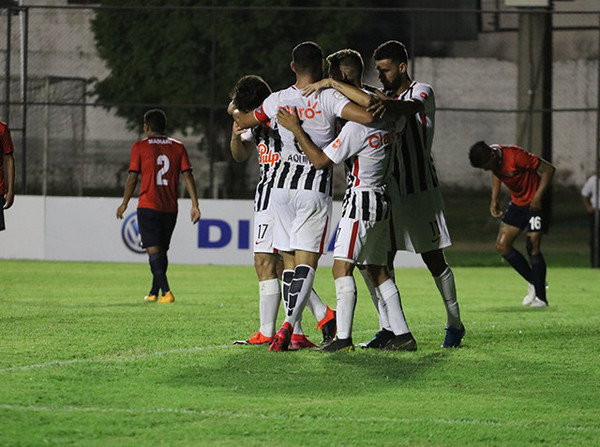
520	264
158	266
538	265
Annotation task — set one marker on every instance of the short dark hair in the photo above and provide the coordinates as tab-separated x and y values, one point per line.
392	49
480	154
249	92
308	58
348	57
156	119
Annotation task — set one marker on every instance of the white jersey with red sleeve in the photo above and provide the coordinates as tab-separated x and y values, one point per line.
317	116
366	153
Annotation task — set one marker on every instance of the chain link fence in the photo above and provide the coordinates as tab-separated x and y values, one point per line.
69	144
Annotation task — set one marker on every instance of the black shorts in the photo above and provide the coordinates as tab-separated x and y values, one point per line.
2	224
525	219
156	227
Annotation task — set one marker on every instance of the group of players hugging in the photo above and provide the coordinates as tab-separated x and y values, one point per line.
392	200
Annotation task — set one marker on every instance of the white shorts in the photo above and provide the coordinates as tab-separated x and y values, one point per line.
263	232
419	223
302	219
361	241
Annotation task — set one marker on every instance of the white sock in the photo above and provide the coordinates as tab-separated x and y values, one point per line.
298	326
373	292
316	305
447	288
270	296
300	289
345	291
393	306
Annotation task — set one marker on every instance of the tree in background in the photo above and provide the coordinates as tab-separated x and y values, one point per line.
187	56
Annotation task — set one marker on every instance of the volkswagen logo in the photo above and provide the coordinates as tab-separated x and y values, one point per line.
130	232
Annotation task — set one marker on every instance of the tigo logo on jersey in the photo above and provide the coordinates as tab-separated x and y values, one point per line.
266	156
130	232
337	143
423	95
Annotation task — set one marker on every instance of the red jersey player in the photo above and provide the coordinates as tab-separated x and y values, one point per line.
7	188
159	160
527	177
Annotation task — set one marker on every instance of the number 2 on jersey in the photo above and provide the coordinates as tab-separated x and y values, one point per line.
163	161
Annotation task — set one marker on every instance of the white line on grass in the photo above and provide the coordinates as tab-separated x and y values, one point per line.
277	416
119	356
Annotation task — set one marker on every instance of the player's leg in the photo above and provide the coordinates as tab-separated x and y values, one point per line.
167	226
403	339
504	245
535	230
345	291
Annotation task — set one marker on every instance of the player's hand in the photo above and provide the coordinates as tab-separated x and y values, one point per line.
9	199
236	131
290	121
231	107
536	204
121	211
195	214
377	107
495	210
316	87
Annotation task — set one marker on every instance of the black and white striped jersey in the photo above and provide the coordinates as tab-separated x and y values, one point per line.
268	147
317	116
413	168
366	152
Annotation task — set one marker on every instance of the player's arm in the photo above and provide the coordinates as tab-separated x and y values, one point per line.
358	114
292	123
587	202
495	209
9	162
546	171
393	108
130	185
351	92
243	119
190	185
240	149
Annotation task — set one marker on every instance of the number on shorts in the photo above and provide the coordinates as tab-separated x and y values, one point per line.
535	223
262	230
435	228
163	161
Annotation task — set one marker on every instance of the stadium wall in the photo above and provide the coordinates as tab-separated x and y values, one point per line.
86	229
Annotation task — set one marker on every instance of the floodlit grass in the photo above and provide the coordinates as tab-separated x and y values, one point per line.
84	361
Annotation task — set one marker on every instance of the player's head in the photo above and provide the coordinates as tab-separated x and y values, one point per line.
391	60
307	59
155	120
346	66
249	92
483	156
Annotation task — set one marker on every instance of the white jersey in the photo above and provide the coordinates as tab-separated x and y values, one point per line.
268	147
367	154
589	190
413	168
317	117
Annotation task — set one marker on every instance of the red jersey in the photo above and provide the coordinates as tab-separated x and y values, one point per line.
159	160
517	171
6	148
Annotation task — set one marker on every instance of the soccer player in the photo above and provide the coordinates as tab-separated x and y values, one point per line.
159	160
302	195
527	177
7	187
363	233
417	204
249	92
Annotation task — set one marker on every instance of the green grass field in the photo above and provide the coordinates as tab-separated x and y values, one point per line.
84	361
